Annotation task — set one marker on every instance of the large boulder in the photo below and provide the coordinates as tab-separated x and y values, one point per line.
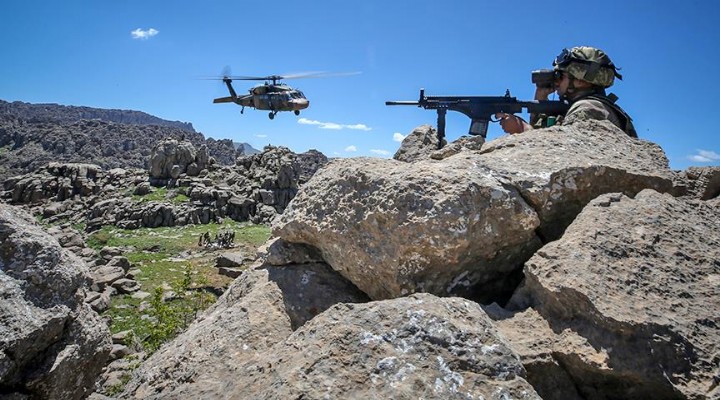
419	346
559	170
625	304
259	310
168	154
53	345
464	225
394	228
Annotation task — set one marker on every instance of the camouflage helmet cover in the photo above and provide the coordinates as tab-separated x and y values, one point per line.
588	64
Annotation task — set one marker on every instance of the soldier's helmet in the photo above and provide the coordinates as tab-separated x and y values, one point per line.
589	64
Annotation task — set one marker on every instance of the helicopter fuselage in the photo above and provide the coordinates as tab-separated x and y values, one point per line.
272	97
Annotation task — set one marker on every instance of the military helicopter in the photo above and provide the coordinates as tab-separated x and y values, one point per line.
274	96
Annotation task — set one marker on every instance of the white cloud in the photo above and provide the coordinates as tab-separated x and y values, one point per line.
144	35
358	127
351	149
380	152
704	156
260	135
333	125
398	137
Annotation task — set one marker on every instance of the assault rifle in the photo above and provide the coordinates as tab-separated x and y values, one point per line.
480	109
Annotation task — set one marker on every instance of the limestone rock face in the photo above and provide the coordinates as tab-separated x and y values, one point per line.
464	224
419	346
46	329
631	292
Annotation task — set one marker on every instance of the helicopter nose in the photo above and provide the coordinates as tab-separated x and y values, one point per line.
301	103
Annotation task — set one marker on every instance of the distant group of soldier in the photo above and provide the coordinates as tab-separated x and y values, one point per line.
224	240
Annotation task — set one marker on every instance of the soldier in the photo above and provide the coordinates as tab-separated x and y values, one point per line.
581	76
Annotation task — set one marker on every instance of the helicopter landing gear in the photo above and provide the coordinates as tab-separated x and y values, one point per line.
297	112
272	115
242	110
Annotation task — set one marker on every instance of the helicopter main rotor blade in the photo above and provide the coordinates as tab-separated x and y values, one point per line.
320	74
300	75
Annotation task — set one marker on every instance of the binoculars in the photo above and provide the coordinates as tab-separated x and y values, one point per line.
544	78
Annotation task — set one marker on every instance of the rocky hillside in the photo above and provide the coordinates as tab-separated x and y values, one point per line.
567	263
564	263
32	135
186	187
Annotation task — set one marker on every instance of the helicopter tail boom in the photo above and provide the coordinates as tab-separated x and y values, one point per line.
228	99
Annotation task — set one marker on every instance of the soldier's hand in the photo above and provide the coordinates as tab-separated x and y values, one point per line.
542	93
512	124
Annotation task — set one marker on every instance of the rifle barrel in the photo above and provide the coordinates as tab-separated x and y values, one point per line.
402	103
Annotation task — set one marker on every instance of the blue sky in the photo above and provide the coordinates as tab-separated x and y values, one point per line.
147	56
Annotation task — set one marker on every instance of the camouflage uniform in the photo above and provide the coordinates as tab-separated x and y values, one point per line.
586	109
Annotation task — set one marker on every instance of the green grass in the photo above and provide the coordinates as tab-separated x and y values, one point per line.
169	257
162	194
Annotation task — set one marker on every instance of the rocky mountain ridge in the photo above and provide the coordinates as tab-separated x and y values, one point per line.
50	112
32	135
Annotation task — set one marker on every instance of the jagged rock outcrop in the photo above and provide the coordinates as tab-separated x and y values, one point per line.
625	304
465	224
268	181
257	189
65	181
419	144
52	344
423	143
171	158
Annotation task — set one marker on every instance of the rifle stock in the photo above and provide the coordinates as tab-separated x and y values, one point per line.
480	109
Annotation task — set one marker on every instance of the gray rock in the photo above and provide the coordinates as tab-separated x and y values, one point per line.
419	144
126	286
463	143
257	311
394	228
419	346
702	182
47	329
105	275
560	169
279	252
629	294
143	189
230	259
171	157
